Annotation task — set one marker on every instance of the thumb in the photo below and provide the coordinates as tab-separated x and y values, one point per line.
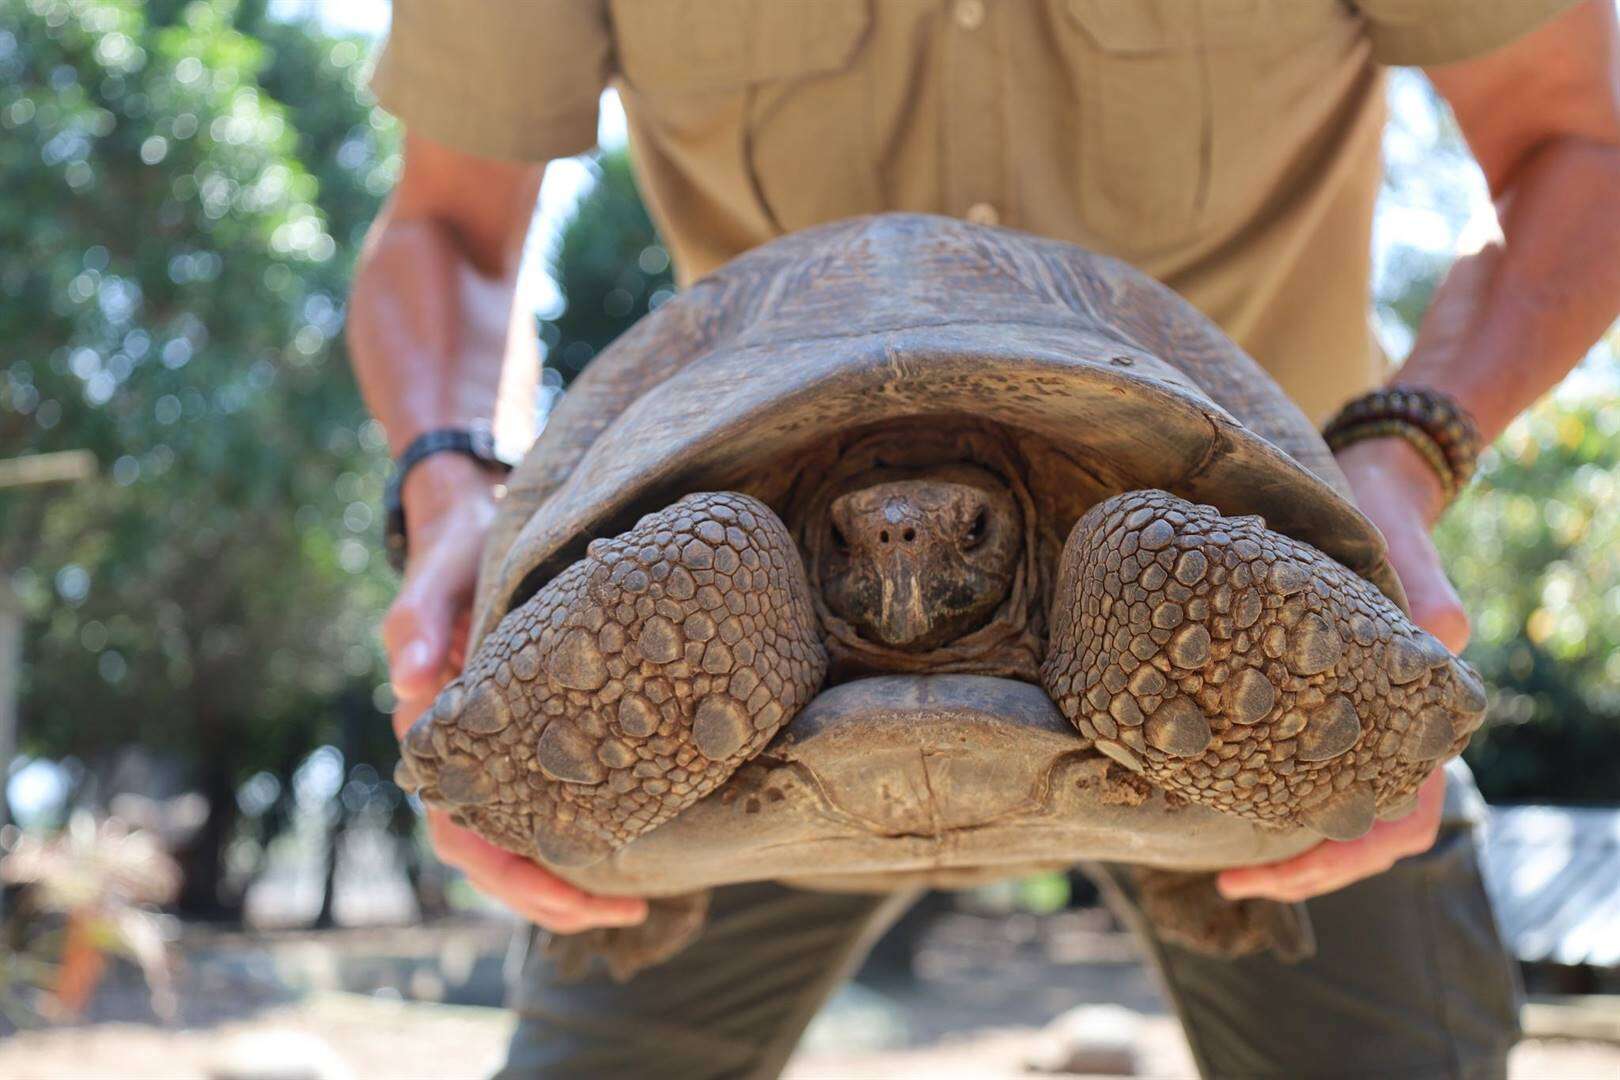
418	630
417	636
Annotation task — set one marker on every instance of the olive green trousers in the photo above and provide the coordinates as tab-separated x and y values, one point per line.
1410	979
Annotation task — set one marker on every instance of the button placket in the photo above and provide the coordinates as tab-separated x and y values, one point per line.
969	14
983	213
975	133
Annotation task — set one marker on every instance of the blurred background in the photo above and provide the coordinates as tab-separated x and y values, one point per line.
199	835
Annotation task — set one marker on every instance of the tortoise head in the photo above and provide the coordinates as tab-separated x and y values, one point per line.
918	557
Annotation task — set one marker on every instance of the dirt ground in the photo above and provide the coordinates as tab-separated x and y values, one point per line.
351	1038
988	998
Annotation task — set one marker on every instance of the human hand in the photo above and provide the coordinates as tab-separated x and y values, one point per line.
450	504
1398	490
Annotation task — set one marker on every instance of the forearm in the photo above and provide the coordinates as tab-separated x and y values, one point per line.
1509	322
436	339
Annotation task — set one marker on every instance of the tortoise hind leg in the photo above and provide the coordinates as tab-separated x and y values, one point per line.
630	686
1187	910
671	925
1248	672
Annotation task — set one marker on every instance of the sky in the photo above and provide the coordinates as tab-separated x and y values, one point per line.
360	16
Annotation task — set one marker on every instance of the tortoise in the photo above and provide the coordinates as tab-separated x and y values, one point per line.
904	550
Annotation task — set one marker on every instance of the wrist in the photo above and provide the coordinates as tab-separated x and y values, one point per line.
1391	461
1433	424
404	430
438	471
439	481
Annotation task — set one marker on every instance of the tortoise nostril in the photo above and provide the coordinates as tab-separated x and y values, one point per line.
909	535
883	537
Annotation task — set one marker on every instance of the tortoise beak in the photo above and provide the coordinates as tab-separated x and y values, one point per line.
902	616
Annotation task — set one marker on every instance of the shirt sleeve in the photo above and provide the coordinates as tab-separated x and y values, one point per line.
514	79
1425	32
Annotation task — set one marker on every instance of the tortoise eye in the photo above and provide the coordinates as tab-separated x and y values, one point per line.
840	541
977	531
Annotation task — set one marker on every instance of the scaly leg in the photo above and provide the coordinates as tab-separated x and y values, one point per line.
1246	671
630	686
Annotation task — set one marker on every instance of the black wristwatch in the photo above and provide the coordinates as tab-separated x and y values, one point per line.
476	442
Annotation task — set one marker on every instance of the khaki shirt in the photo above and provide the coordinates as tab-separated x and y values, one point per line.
1229	148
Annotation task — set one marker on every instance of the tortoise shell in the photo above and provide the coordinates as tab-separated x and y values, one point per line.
1206	605
1182	647
910	315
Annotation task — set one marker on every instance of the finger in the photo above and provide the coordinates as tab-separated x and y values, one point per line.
419	629
417	639
1276	881
556	920
559	919
1435	604
563	918
1331	865
517	881
1438	609
406	712
522	885
1325	868
459	630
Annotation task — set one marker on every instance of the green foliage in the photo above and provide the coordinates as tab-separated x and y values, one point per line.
609	265
182	204
1534	549
1534	545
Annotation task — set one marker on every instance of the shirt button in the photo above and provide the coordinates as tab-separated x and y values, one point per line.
969	14
982	213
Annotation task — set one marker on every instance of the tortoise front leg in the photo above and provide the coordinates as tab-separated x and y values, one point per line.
629	687
1246	671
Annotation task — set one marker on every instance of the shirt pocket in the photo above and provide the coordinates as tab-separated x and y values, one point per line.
1146	75
677	47
761	100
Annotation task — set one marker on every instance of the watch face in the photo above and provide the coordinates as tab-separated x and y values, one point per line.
482	443
497	451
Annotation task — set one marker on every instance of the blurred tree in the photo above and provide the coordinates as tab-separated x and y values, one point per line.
1534	545
171	289
609	265
1535	550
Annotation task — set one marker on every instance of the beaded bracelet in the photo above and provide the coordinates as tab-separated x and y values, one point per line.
1432	422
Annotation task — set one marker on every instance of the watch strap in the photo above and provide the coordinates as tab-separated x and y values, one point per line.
476	441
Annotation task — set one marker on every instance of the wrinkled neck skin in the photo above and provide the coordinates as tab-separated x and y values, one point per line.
919	546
